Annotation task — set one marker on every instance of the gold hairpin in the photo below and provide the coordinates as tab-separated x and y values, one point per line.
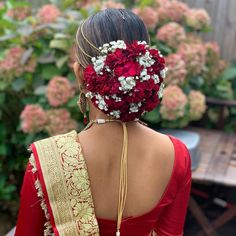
77	42
81	29
78	60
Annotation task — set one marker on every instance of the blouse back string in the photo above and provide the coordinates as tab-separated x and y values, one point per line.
123	181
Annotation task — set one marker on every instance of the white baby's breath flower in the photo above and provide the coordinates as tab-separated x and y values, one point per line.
144	75
127	83
133	107
101	102
160	91
117	99
115	113
163	72
142	42
117	44
89	95
98	63
146	60
156	78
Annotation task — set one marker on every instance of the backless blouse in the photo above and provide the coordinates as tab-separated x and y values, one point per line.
165	219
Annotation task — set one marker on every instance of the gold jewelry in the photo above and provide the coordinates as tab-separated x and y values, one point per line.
81	30
82	104
123	182
77	41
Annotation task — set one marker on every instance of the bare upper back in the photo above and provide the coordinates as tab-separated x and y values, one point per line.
150	164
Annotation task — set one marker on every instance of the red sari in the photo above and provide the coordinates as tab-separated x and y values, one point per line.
165	219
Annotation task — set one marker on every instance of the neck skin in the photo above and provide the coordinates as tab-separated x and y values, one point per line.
95	113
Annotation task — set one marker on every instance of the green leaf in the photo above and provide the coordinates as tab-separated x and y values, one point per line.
67	3
3	150
84	13
233	110
40	90
152	116
61	36
144	3
61	61
3	85
72	102
2	98
60	44
13	3
49	71
196	81
164	49
71	77
7	24
229	73
18	84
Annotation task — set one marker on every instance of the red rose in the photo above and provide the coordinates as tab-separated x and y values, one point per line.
89	73
123	62
115	58
135	49
128	69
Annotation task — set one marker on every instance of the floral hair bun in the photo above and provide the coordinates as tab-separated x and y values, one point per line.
125	80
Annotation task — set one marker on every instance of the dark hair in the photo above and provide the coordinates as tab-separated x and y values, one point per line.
106	26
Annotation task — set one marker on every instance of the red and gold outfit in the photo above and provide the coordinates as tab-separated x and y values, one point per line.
56	197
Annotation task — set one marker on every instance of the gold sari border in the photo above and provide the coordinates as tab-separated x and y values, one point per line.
67	185
56	188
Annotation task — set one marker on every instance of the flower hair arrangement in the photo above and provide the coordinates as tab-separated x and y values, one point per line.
125	80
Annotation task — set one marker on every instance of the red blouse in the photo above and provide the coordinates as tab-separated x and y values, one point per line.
167	217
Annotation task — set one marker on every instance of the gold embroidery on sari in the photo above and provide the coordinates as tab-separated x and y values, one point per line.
68	187
47	225
77	182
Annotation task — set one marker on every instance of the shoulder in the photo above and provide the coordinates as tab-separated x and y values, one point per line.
183	159
171	148
47	147
69	135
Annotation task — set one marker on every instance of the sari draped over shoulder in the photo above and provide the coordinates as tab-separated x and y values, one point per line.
56	198
63	186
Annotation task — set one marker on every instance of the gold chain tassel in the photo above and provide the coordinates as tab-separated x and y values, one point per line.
123	179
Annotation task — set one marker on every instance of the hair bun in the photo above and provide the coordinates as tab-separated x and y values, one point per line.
125	80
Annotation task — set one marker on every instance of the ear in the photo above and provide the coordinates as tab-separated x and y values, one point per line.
78	70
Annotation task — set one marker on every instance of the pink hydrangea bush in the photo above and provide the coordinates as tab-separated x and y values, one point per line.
215	66
48	13
172	11
112	4
2	5
197	104
11	66
192	38
194	56
86	3
148	14
173	104
59	121
176	69
172	34
33	119
160	3
197	19
59	91
19	13
213	47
